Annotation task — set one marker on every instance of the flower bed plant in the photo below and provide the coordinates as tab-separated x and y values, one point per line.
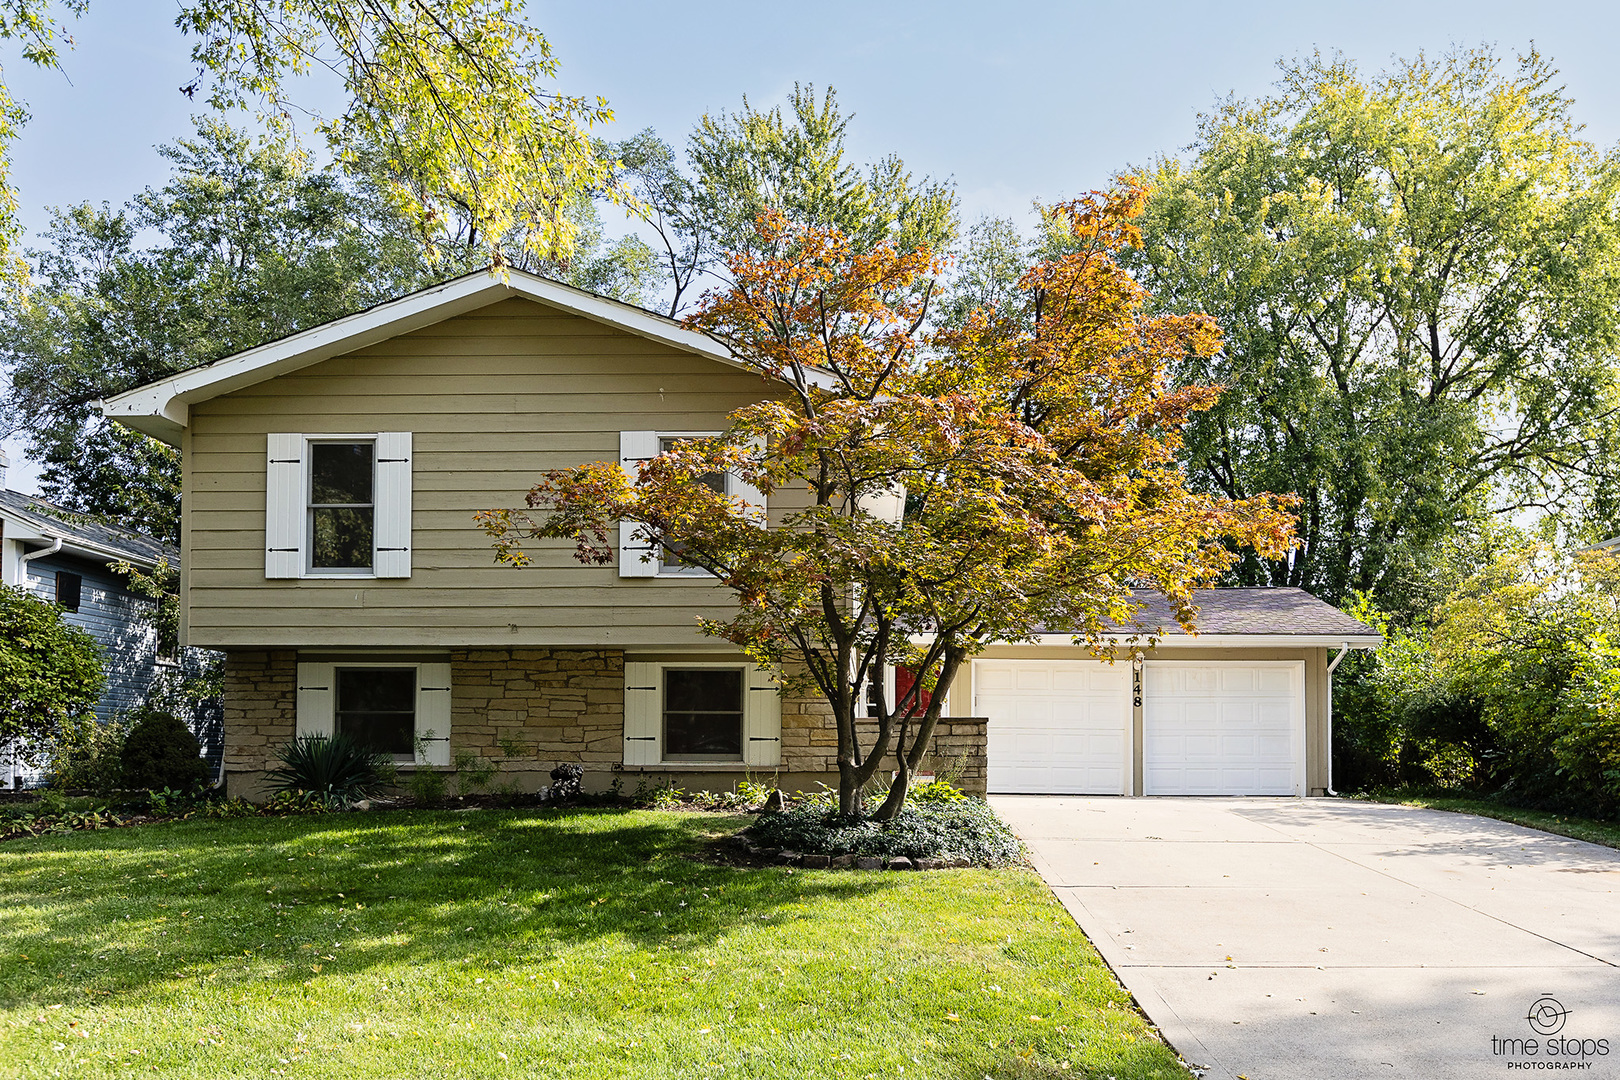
962	828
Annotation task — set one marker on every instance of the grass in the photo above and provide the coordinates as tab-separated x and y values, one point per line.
1606	833
533	943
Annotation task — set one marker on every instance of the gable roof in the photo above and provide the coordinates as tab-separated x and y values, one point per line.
162	408
1243	616
28	517
1250	610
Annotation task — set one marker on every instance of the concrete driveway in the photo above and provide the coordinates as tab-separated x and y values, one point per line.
1277	939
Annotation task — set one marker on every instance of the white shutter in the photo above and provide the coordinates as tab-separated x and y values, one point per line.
762	720
317	695
888	504
391	496
433	714
634	448
643	714
284	505
753	498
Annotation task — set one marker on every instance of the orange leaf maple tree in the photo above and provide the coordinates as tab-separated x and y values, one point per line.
1032	450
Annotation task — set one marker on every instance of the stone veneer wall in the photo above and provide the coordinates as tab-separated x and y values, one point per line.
528	710
810	744
261	710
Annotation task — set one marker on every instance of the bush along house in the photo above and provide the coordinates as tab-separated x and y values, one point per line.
329	550
67	559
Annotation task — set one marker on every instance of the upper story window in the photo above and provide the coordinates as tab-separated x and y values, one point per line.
69	590
669	556
338	506
341	507
638	555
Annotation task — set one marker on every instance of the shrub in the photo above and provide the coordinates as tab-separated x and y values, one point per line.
337	770
161	752
938	791
965	828
50	673
428	786
88	755
566	781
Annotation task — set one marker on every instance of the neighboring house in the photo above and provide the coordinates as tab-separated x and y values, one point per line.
66	559
331	480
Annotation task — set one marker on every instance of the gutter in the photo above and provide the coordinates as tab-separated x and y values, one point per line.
24	560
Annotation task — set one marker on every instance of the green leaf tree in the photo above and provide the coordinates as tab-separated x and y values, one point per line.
453	99
1032	450
1418	277
245	243
50	674
794	162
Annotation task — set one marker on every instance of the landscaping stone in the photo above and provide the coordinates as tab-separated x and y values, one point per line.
868	862
815	862
840	862
787	857
929	864
960	863
774	803
899	862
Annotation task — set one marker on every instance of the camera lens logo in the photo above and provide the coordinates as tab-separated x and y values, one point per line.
1547	1016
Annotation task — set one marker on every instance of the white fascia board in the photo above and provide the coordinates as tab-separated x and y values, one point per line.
161	409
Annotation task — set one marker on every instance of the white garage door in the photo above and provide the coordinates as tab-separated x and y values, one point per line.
1223	728
1055	727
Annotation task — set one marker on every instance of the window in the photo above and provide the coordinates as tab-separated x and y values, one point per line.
669	559
700	712
377	708
340	506
703	714
399	708
69	588
638	556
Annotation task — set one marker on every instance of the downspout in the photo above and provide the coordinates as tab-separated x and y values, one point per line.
24	560
1344	650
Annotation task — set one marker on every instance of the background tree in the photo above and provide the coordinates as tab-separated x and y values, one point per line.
739	165
245	243
1034	447
1418	276
50	674
454	96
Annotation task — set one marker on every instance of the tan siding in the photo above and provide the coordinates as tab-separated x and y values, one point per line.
492	399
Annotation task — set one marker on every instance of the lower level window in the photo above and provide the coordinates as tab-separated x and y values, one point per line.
703	714
377	708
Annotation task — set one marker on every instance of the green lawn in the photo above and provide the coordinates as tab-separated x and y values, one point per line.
518	944
1596	832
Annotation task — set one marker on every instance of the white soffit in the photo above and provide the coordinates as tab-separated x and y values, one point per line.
162	409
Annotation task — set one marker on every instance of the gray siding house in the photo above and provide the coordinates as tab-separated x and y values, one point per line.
67	558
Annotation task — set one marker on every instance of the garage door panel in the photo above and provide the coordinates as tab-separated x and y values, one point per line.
1222	728
1057	727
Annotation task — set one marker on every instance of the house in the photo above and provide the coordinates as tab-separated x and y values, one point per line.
331	479
67	559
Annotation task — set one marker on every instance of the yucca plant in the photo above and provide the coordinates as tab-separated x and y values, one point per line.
334	768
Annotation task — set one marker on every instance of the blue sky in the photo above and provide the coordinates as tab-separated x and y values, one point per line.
1013	101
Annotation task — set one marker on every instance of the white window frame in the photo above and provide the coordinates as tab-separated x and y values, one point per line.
632	547
289	519
644	716
317	704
